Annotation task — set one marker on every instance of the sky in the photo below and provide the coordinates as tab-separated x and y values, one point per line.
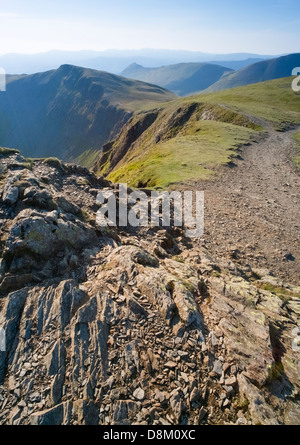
213	26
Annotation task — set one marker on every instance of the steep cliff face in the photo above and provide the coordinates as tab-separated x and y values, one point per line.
113	152
69	110
121	326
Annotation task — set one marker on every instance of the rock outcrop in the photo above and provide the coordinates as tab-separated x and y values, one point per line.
130	327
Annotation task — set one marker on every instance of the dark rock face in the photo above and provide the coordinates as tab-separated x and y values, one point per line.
101	328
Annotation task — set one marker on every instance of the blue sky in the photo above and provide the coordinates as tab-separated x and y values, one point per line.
217	26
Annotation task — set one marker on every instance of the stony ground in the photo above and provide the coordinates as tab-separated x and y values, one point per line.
148	327
252	209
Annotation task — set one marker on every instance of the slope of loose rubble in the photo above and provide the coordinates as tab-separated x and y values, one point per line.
130	327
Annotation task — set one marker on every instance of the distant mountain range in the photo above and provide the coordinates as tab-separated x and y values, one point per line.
182	78
189	78
67	111
72	112
115	61
258	72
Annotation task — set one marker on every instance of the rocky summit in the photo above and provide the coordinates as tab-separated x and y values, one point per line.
121	326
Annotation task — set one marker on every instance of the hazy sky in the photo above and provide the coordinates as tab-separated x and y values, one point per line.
218	26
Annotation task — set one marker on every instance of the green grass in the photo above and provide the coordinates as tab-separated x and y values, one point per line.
87	158
8	151
281	292
241	403
195	148
296	159
55	163
135	96
274	101
275	372
86	217
194	153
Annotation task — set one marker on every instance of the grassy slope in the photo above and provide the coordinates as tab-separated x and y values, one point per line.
135	95
202	145
6	151
195	153
87	158
274	101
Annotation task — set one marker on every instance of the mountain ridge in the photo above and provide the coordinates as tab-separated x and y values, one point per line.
111	60
66	111
258	72
182	79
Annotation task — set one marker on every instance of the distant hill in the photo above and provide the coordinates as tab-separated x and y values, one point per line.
67	111
182	78
237	64
258	72
115	61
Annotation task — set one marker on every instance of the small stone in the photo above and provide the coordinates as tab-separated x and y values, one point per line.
218	332
195	395
240	421
218	367
206	361
164	422
27	366
35	397
183	354
230	381
139	394
17	392
22	404
202	414
11	195
160	396
229	391
121	299
233	369
177	406
214	340
184	377
226	366
11	383
73	261
223	396
171	365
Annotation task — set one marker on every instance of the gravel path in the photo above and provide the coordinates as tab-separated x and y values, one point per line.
252	209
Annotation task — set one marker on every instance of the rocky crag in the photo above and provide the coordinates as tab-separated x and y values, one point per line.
131	327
